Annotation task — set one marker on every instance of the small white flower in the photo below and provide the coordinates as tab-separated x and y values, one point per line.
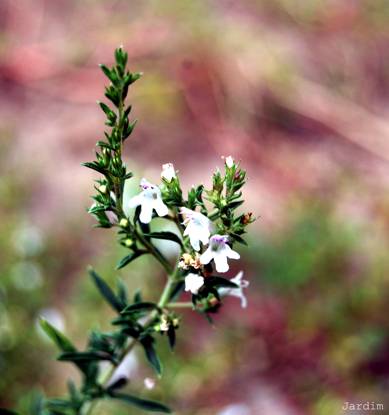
198	227
230	162
193	282
168	173
236	292
149	198
219	251
149	383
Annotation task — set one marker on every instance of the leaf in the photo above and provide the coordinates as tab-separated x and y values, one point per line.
137	307
56	336
238	239
108	112
36	404
138	296
118	384
151	354
60	405
169	236
122	292
219	282
171	334
106	291
4	411
77	357
145	404
234	205
129	258
94	166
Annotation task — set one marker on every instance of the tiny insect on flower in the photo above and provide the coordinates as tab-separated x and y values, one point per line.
198	227
193	282
219	251
168	173
149	199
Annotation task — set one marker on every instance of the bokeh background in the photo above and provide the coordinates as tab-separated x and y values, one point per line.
296	90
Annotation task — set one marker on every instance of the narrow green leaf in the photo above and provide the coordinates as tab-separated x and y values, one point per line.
4	411
144	404
234	205
60	405
171	334
36	404
151	354
238	239
219	282
106	291
108	112
169	236
129	258
137	307
94	166
118	384
57	337
84	356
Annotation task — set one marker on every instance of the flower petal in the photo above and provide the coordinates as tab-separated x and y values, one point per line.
135	201
230	253
195	242
160	207
193	282
146	212
207	256
221	262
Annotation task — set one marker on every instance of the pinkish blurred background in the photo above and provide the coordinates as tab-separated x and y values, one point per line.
299	92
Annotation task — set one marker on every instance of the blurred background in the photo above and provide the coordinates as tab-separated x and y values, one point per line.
296	90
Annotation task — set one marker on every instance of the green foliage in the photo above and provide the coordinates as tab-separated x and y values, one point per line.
144	404
139	321
57	337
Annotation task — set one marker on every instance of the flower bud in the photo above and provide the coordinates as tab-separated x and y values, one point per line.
229	162
103	188
123	223
128	242
168	173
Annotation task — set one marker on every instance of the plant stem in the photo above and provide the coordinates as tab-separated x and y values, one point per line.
179	304
106	377
154	251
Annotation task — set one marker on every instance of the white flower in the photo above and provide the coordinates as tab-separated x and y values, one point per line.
198	227
219	251
193	282
168	173
149	198
236	292
230	162
149	383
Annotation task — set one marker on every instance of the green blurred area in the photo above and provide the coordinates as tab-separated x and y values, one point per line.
298	91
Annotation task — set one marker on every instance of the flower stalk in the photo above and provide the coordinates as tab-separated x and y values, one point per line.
208	227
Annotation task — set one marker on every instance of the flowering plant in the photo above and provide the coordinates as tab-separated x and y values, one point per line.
207	229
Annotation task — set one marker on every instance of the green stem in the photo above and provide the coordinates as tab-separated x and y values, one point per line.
179	304
106	377
154	251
